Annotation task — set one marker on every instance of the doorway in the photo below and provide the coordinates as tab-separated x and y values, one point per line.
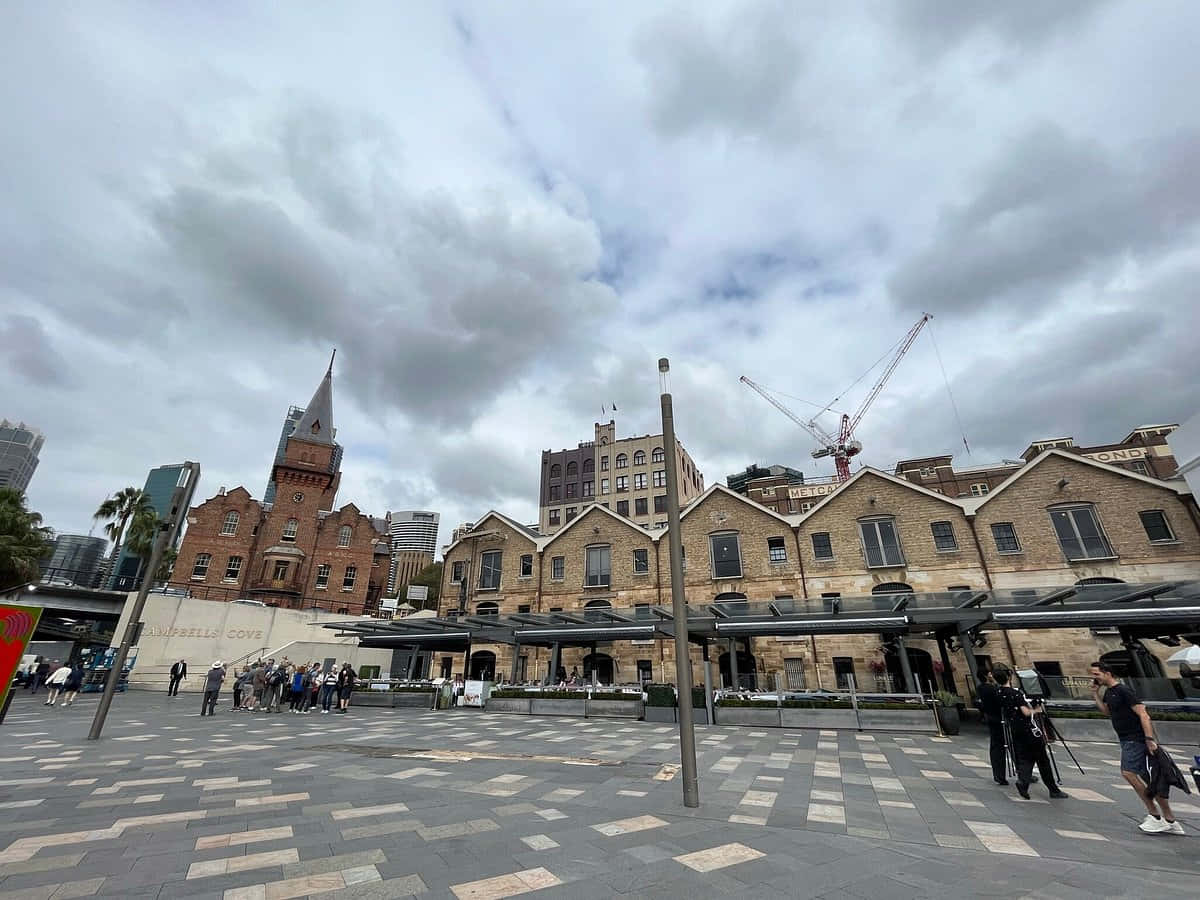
921	664
747	667
483	666
602	663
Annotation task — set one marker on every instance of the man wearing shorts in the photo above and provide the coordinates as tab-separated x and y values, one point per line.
1131	722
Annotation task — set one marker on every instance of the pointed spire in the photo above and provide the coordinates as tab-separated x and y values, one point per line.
316	425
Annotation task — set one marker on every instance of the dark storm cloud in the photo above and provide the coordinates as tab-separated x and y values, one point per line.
1053	211
26	349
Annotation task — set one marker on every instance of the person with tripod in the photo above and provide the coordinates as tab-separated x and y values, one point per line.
1135	733
1028	740
993	715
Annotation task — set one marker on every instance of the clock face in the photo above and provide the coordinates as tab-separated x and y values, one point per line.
297	497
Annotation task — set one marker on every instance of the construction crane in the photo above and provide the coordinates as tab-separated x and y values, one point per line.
844	446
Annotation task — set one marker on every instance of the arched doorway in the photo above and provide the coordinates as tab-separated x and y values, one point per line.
483	666
602	663
919	661
747	667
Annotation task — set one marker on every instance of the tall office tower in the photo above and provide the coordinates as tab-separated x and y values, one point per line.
75	558
414	543
19	449
160	484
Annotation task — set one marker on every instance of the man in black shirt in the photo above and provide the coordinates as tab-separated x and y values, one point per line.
1132	724
1028	741
989	706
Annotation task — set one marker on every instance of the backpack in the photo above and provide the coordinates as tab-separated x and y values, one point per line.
276	678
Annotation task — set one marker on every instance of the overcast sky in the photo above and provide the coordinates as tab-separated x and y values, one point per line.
502	214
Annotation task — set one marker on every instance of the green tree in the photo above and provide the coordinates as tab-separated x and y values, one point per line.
139	540
24	541
118	510
431	577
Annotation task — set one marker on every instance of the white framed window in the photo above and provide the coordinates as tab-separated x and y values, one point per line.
805	507
639	481
1139	466
622	483
979	488
777	550
928	471
599	567
639	458
289	531
344	535
323	572
881	546
200	566
726	555
658	455
641	562
1158	529
557	568
604	485
281	570
230	523
349	577
555	516
822	545
660	477
622	461
943	536
233	568
456	572
489	570
1005	536
1079	533
589	488
526	565
604	464
571	512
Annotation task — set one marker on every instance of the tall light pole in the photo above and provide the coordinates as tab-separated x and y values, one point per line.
165	529
683	659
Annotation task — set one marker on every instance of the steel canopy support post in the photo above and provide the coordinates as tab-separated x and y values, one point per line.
947	672
964	638
734	679
413	660
910	683
516	652
708	694
683	660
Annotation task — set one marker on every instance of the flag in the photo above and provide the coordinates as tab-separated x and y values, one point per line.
614	407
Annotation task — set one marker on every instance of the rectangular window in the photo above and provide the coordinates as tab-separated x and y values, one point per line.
639	481
456	572
928	471
526	565
979	489
822	546
324	570
726	556
943	535
660	503
200	567
604	464
233	568
622	483
1139	466
805	507
776	550
880	544
229	526
1156	525
843	671
589	488
571	489
557	567
660	478
348	578
489	570
571	512
640	505
599	566
645	670
1005	536
793	671
281	570
603	485
1079	533
289	530
554	516
523	608
623	507
641	562
641	612
554	495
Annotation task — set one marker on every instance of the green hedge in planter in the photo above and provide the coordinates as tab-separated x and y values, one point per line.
698	698
660	695
812	704
518	694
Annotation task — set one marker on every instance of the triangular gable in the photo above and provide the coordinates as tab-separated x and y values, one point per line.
799	518
227	496
974	506
520	529
716	488
606	511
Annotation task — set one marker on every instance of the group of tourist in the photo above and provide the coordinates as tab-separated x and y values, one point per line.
61	680
267	686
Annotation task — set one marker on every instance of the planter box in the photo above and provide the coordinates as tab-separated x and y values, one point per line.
540	707
1183	735
747	715
508	705
614	709
916	720
392	699
699	715
660	714
818	718
413	699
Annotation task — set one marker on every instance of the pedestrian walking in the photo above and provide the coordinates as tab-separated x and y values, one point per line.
258	686
296	689
993	715
1028	739
178	673
41	673
212	687
56	681
329	686
74	683
1135	732
345	686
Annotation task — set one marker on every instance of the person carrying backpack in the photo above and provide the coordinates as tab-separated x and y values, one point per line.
329	686
345	686
298	689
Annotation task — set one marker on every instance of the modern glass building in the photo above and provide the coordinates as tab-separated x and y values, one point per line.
19	449
160	484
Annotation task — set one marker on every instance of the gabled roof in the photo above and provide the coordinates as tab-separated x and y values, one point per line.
546	542
796	520
512	523
716	488
973	506
316	425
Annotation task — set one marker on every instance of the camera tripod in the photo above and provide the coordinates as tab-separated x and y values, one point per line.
1043	727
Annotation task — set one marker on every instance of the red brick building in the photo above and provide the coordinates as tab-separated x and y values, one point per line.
299	551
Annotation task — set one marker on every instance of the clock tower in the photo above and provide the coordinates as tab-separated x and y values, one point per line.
307	477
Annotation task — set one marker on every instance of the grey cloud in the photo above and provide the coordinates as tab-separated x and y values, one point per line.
937	25
1053	211
27	349
478	474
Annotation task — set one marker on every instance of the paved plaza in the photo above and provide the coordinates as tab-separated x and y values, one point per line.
392	803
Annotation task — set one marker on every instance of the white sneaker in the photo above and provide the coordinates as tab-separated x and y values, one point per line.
1151	825
1175	827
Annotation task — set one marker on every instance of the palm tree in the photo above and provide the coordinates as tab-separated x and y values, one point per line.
24	541
118	510
139	540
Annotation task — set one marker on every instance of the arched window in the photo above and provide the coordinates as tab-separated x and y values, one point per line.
344	534
556	471
289	531
589	465
572	468
229	526
1088	582
487	609
200	567
622	461
658	455
594	611
639	458
891	587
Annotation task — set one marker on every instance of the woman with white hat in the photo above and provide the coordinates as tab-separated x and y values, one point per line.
212	687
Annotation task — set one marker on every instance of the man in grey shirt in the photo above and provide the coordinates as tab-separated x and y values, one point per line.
212	686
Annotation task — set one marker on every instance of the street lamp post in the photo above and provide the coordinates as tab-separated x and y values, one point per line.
683	661
159	548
